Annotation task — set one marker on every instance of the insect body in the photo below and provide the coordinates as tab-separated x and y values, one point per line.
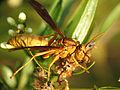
70	53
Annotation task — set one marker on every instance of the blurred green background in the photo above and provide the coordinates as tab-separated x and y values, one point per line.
105	72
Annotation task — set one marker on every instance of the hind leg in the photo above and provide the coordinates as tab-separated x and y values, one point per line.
38	54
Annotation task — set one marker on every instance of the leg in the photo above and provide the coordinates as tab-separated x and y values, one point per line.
53	61
80	65
66	85
38	54
35	60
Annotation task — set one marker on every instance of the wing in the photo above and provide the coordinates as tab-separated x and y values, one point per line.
37	48
45	15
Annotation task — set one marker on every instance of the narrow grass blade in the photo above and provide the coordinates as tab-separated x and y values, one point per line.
55	13
74	17
85	21
115	13
109	88
58	12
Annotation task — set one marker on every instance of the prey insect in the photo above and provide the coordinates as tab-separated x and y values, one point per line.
66	49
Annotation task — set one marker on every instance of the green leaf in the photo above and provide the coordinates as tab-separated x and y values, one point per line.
55	13
6	73
65	9
3	85
109	88
58	13
115	13
74	17
85	21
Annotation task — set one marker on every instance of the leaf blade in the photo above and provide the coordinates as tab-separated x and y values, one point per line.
85	21
115	13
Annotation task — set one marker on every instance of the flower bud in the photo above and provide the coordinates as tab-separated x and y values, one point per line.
11	21
20	26
22	17
28	30
11	32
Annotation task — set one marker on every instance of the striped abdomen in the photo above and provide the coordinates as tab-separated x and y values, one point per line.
26	40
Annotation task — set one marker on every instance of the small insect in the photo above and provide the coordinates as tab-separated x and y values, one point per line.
65	49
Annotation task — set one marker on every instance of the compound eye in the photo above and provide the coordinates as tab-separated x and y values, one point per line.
90	46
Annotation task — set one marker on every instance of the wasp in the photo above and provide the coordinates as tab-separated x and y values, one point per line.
66	50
